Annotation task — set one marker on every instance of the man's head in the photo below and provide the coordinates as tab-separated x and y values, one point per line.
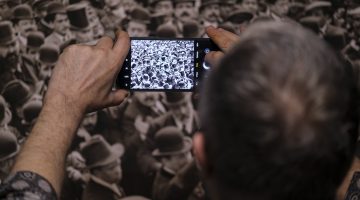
138	24
184	10
56	17
23	19
251	5
210	10
179	104
112	3
147	99
79	22
9	149
162	7
9	46
278	117
173	148
103	159
280	7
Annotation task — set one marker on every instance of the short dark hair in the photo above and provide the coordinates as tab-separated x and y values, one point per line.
279	117
50	18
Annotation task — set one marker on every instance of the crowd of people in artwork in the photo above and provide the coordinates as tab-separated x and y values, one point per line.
162	64
141	148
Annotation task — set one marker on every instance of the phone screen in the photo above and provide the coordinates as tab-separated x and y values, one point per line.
164	64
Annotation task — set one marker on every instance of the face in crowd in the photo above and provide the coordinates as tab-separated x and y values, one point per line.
147	99
181	110
251	5
177	162
137	29
281	7
61	24
211	13
24	26
164	7
9	54
111	173
185	11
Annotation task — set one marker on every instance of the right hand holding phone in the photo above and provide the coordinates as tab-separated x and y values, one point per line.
223	39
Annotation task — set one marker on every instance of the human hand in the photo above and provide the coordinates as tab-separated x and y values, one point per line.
223	39
84	75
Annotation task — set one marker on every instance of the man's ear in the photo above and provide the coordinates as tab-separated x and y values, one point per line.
199	150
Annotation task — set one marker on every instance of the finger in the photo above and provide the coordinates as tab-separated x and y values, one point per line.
121	46
230	35
105	42
220	39
214	57
116	97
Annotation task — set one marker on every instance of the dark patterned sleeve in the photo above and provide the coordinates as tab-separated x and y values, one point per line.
26	186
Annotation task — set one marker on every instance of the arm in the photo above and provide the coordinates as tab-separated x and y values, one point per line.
82	81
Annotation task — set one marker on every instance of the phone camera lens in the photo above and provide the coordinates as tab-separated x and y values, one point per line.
207	50
206	66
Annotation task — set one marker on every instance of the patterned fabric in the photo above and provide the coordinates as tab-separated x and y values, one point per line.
26	186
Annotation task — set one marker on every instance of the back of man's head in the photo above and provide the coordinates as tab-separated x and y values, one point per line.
278	117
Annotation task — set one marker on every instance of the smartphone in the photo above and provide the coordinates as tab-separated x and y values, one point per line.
159	64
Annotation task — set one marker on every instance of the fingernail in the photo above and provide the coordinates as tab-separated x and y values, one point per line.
211	27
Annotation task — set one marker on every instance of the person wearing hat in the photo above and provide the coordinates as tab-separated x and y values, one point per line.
239	19
79	23
162	7
210	13
112	15
180	114
31	111
184	10
9	148
34	40
226	6
138	23
23	20
178	177
57	19
48	56
251	5
103	162
14	65
277	9
5	11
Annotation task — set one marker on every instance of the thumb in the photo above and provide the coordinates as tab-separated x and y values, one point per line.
116	97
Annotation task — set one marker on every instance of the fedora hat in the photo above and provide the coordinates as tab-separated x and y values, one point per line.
141	15
31	109
240	15
5	113
171	141
9	146
98	152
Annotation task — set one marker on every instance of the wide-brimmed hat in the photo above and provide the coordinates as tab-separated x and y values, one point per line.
326	5
98	152
7	34
171	141
5	113
166	31
9	146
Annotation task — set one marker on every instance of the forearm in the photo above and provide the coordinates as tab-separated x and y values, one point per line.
45	150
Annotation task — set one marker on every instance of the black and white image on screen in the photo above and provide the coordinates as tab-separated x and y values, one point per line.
162	64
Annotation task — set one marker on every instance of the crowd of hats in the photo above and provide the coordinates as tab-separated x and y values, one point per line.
337	22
